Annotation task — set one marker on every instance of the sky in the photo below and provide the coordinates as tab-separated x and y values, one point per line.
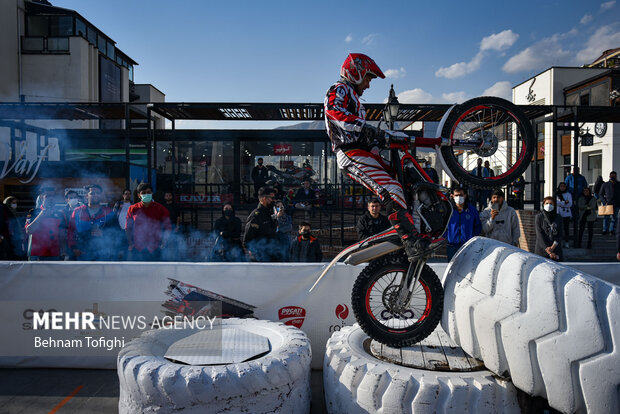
291	51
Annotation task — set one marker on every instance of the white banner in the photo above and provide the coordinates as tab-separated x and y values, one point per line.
274	291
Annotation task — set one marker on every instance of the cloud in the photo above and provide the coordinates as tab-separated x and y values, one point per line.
586	19
501	89
606	37
454	97
607	5
461	69
395	73
499	41
547	52
415	96
349	38
370	39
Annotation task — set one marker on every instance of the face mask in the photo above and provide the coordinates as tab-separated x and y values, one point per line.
305	234
548	207
146	198
459	200
14	206
228	213
73	202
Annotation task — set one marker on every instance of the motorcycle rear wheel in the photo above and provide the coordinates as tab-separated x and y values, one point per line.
507	138
373	288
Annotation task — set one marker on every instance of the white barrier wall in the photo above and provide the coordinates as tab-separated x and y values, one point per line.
278	292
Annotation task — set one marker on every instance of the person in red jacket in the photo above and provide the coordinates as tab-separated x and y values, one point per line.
91	234
352	139
148	226
46	227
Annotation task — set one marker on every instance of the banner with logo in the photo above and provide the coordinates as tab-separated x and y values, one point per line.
109	303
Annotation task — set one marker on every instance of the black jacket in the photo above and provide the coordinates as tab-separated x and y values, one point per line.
610	193
260	235
312	253
368	226
260	175
547	231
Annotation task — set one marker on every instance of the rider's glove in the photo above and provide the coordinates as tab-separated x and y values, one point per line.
372	136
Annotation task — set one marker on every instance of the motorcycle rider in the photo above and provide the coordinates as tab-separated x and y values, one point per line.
352	136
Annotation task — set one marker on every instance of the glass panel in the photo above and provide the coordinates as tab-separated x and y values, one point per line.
61	25
600	95
92	36
33	44
80	27
584	100
572	99
58	44
101	43
110	51
37	26
131	73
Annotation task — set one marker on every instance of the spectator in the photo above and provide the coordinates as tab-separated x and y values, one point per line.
500	221
597	186
549	231
260	175
576	183
73	201
610	195
431	172
564	202
261	240
372	221
587	216
173	210
16	230
91	228
518	189
120	209
304	199
148	226
46	227
491	173
306	248
228	247
479	196
5	233
285	227
464	223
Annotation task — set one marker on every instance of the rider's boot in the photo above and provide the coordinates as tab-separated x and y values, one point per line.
416	245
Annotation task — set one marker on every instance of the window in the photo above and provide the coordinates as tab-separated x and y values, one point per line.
130	72
92	36
101	44
572	99
80	28
61	25
37	26
600	94
110	50
33	44
58	44
584	99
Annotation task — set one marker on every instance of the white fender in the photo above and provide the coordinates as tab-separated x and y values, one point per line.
438	148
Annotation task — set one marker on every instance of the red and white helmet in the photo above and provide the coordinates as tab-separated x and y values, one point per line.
357	65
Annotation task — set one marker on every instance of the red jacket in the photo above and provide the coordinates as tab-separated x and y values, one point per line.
344	115
45	241
148	225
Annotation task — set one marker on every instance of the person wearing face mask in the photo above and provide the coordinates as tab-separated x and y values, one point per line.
306	248
260	239
587	216
148	227
431	172
227	229
90	236
610	195
15	227
564	202
464	223
549	231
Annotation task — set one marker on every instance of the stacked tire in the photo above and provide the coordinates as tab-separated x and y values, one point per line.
552	330
276	382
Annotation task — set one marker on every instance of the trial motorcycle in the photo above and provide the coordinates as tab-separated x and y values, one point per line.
398	301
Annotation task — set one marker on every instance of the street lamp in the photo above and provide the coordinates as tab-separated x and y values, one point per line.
390	112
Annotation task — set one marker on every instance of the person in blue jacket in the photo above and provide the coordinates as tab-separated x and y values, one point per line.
464	222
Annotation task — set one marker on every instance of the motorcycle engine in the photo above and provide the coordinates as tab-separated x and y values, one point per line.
433	211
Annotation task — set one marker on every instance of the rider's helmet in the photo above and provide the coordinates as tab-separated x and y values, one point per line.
357	65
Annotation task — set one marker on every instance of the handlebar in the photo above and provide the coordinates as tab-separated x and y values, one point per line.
396	137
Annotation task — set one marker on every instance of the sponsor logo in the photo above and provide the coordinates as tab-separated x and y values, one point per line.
292	315
342	311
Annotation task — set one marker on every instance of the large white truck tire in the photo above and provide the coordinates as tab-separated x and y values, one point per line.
276	382
357	382
552	330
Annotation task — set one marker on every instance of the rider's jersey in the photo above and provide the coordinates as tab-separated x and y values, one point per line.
344	116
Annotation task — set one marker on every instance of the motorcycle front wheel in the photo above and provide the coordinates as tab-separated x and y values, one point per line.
491	129
374	291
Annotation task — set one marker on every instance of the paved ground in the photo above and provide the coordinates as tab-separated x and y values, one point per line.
61	391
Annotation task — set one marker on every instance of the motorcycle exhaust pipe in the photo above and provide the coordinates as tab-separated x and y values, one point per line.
372	252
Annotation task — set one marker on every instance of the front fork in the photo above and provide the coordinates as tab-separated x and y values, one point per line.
409	283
